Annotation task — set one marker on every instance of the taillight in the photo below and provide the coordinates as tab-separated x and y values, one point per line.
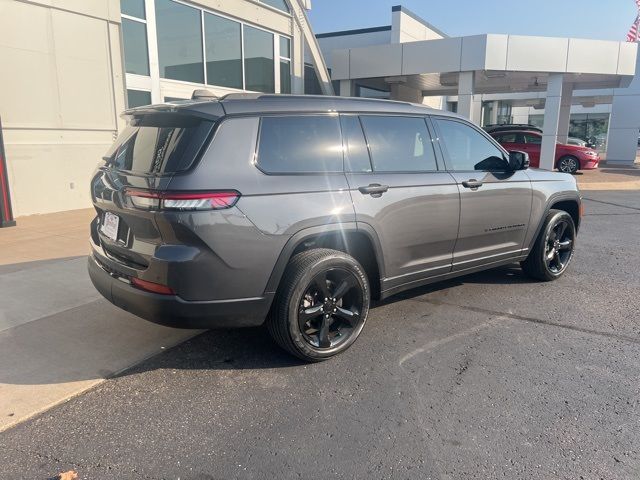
152	287
148	200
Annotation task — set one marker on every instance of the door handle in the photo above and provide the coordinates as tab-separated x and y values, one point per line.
375	189
473	184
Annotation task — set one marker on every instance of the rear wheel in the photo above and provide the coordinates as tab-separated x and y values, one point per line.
568	164
553	249
321	305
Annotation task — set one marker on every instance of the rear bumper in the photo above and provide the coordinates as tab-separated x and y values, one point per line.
173	311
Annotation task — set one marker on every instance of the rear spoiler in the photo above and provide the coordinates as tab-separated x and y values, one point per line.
208	110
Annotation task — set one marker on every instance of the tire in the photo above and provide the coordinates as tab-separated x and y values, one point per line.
553	250
568	164
305	320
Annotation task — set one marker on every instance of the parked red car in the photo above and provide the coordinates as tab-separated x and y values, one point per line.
569	158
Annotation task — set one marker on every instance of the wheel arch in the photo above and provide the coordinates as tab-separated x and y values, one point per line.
358	240
565	201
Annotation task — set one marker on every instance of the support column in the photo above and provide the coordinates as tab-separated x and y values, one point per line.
551	121
566	102
494	112
347	88
465	94
476	109
403	93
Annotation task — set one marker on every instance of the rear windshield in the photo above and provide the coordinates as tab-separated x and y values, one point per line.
159	144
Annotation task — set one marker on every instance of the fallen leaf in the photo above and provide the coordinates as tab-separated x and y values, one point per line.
70	475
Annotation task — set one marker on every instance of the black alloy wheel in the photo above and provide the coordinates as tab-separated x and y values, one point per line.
553	249
321	305
559	246
331	308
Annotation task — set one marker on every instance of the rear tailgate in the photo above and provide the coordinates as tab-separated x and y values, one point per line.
154	147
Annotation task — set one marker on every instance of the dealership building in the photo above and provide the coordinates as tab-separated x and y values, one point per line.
71	67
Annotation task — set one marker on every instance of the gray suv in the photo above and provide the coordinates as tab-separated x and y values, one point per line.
300	210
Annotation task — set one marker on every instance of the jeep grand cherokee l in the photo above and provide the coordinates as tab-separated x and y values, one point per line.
300	210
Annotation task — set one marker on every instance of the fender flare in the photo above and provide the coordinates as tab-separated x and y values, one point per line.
555	198
301	236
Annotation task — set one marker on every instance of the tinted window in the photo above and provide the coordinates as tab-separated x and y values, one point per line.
258	60
300	144
467	148
399	144
159	144
224	51
179	41
279	4
133	8
134	35
356	152
138	98
506	138
530	138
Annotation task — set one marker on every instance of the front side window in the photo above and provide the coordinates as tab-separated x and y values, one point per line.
467	149
506	138
136	57
223	42
179	31
258	60
300	144
399	144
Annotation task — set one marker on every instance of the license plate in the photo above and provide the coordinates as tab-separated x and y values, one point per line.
110	225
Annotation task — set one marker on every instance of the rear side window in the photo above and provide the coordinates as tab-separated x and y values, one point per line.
159	144
399	144
300	144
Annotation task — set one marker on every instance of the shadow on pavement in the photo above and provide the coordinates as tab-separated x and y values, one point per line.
248	348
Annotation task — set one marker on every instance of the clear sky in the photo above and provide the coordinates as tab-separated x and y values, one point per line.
599	19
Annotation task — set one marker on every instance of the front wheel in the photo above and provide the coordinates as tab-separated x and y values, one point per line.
568	164
321	305
553	249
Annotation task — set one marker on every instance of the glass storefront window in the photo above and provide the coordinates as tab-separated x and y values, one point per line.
179	41
138	98
285	65
136	57
223	44
279	4
133	8
258	60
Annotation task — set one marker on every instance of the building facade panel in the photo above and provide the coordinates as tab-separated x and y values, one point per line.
75	65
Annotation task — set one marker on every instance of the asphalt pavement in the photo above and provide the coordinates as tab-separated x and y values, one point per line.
486	376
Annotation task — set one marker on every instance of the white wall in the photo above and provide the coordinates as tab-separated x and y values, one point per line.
406	28
61	90
624	125
328	44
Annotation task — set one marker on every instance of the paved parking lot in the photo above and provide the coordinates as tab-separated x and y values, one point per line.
487	376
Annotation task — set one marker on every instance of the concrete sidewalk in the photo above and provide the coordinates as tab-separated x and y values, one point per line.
610	178
58	337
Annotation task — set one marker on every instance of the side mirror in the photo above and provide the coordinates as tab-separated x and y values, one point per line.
518	160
